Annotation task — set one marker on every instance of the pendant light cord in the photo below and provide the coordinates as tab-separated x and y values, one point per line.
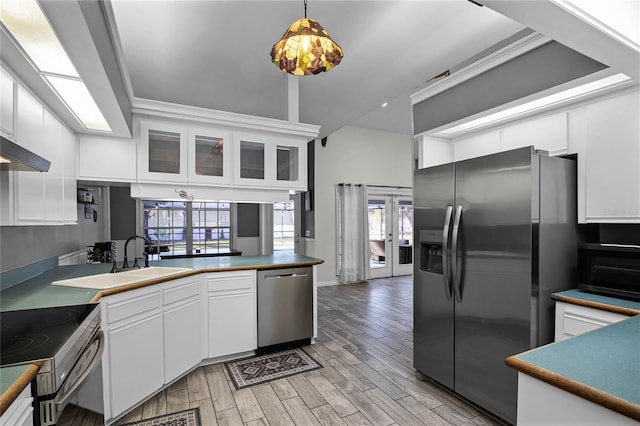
305	8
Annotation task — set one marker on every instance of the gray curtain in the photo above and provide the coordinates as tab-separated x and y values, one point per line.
352	233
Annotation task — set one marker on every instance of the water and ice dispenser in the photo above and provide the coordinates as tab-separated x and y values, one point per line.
431	250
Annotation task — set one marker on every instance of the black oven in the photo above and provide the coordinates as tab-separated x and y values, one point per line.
610	269
64	341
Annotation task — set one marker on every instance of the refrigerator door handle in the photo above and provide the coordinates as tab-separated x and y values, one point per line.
454	254
446	265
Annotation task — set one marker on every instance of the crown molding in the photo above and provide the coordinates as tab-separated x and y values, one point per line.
156	109
492	60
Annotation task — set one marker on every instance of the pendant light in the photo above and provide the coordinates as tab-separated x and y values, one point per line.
306	48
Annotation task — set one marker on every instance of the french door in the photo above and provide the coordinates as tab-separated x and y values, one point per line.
390	234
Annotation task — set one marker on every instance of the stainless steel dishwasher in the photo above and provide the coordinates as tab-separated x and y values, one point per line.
285	307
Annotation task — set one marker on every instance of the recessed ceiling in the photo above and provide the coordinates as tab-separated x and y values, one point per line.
215	54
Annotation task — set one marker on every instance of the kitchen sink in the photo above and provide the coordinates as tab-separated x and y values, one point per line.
133	276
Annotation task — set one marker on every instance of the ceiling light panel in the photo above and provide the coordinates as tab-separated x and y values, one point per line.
77	97
31	30
28	25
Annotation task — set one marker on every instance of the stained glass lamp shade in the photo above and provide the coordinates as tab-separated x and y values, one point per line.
306	48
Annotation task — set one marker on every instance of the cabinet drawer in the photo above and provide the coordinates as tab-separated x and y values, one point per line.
180	291
579	321
225	283
118	310
575	325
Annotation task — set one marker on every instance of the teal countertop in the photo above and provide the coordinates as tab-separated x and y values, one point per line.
606	359
38	292
602	366
8	375
627	307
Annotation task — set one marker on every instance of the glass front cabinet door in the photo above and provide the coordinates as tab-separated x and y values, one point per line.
272	161
290	163
162	153
209	156
251	156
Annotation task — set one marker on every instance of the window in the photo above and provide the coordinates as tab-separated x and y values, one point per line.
164	225
377	210
283	226
187	227
211	226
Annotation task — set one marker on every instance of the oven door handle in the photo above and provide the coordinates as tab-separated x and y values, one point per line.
68	393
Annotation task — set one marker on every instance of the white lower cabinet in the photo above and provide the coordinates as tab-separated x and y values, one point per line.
20	412
156	334
232	313
573	320
133	362
540	403
182	318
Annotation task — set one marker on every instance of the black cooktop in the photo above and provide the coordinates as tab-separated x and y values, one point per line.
36	334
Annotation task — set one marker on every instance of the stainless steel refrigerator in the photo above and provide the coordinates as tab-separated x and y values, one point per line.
496	236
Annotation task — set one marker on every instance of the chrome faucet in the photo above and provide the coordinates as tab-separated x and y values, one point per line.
125	262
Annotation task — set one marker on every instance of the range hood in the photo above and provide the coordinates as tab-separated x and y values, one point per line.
15	157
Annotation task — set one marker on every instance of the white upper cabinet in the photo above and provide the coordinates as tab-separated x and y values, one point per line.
548	133
209	156
6	103
605	135
269	161
47	198
29	186
162	153
52	150
202	155
290	172
69	144
612	160
106	159
476	145
29	122
251	155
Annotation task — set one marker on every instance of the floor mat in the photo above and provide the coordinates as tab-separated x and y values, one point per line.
190	417
264	368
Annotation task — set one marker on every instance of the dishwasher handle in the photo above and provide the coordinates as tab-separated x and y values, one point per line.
291	275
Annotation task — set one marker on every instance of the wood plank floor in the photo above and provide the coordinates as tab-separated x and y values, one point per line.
365	345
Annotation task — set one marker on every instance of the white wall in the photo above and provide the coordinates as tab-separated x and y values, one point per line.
354	155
